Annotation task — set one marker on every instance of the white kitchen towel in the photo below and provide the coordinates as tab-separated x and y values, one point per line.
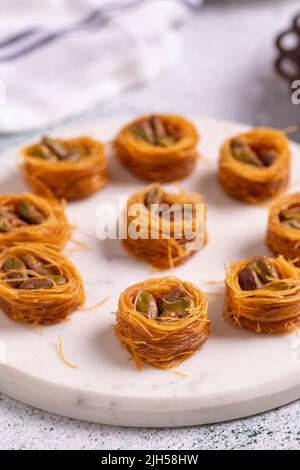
60	57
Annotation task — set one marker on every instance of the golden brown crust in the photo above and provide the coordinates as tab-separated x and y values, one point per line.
44	306
264	310
162	344
248	183
54	230
162	164
66	179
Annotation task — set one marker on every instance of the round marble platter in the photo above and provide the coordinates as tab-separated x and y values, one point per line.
236	373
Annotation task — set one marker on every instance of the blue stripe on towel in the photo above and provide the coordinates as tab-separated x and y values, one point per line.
95	19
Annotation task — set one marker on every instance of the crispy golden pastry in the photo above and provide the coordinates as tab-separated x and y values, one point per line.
283	234
30	218
38	285
67	169
162	321
158	147
255	166
263	295
168	224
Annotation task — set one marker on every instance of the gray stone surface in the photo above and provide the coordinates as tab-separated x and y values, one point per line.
225	73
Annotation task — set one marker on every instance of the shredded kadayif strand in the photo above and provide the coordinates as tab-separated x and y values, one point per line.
62	355
271	309
155	163
248	183
67	179
55	229
41	306
161	344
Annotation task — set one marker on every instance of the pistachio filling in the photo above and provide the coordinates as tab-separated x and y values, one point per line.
165	208
19	215
257	274
154	132
12	267
147	305
262	157
21	273
175	304
153	196
291	217
53	150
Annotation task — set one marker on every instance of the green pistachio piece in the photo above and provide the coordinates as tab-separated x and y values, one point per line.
278	287
291	217
11	266
153	196
161	137
58	279
143	131
30	213
56	148
36	284
146	304
166	141
258	273
4	226
40	151
35	265
293	223
174	294
289	214
139	133
13	263
264	269
9	220
244	153
178	309
153	132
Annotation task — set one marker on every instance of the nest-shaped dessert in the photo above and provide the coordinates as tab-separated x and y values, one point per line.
158	148
67	169
162	321
38	284
263	295
255	166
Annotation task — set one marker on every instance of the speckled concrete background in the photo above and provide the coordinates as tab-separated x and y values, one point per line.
23	427
226	73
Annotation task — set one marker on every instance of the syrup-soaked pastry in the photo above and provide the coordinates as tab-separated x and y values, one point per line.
158	148
255	166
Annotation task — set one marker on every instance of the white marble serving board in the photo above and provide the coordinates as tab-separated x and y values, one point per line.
235	374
